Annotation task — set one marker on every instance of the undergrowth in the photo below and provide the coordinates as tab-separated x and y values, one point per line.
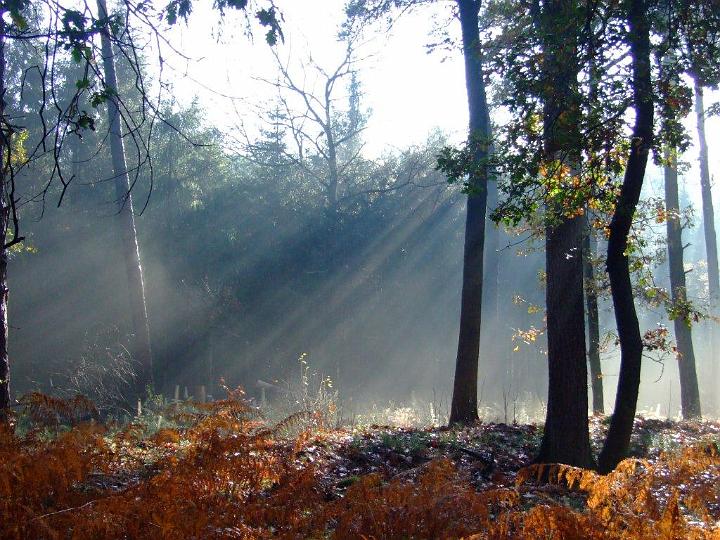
221	472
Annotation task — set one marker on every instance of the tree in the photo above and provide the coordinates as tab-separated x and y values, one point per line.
689	391
62	116
566	437
337	130
541	152
469	165
13	158
618	269
708	212
5	156
593	320
64	34
126	217
464	399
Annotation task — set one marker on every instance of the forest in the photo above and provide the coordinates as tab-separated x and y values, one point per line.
373	269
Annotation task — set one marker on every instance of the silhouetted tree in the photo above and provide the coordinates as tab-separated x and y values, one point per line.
631	345
469	165
126	218
708	213
4	225
593	320
465	383
689	391
337	148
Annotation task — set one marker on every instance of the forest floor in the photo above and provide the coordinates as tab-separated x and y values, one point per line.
220	471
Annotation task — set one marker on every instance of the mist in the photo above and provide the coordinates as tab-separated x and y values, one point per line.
255	275
240	285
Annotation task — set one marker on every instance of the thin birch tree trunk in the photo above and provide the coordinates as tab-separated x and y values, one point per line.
126	219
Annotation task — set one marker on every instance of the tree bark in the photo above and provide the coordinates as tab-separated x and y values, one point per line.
618	268
566	437
126	220
496	344
4	223
710	239
689	392
593	321
464	399
708	210
491	288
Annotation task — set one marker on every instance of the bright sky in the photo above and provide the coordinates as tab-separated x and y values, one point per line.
409	91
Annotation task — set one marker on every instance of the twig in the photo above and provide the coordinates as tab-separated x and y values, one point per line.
64	510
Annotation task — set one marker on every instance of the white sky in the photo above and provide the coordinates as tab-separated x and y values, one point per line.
409	91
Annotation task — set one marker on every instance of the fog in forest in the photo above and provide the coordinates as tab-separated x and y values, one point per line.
257	275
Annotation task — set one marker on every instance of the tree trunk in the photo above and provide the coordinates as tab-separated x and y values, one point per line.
464	399
566	437
710	239
4	223
689	392
618	268
491	289
593	320
496	344
126	219
708	210
333	181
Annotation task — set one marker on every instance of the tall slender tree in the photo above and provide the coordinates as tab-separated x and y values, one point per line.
72	29
126	216
4	224
593	321
618	267
708	213
470	166
464	399
689	391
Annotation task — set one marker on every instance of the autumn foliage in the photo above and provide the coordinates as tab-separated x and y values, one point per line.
223	473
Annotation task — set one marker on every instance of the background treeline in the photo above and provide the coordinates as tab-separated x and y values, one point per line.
260	246
248	266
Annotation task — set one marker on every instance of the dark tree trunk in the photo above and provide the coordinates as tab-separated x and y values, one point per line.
4	223
593	321
464	400
566	438
495	343
126	218
689	392
708	210
710	239
491	270
591	298
631	346
491	289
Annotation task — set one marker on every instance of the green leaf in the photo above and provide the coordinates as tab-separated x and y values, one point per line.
76	55
18	19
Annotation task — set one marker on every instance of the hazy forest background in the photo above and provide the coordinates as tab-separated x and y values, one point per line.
375	251
245	270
